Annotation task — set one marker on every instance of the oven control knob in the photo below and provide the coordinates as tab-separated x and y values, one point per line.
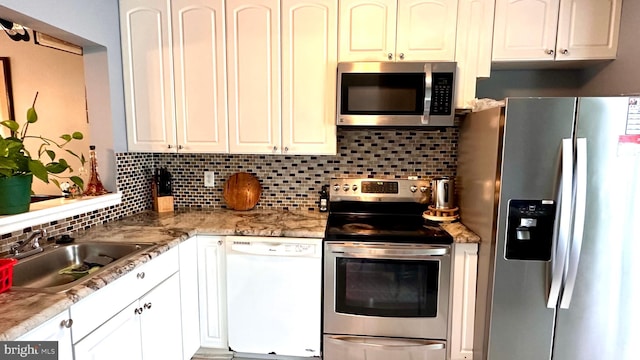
345	187
336	187
423	189
413	188
354	187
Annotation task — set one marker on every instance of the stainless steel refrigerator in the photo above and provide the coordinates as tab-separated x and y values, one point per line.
552	186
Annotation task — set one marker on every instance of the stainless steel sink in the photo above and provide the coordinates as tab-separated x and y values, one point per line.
41	272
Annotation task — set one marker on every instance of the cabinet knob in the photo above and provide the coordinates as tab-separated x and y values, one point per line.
549	52
147	305
286	149
275	148
169	146
401	56
390	56
220	242
564	51
140	275
67	323
180	147
137	311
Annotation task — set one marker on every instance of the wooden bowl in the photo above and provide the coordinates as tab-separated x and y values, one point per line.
242	191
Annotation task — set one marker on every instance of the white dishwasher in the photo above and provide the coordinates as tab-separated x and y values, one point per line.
274	295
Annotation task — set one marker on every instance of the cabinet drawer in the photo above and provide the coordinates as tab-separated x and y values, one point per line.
100	306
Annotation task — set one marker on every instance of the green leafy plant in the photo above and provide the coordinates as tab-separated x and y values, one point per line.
16	160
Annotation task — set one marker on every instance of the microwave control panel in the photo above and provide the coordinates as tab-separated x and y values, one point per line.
441	93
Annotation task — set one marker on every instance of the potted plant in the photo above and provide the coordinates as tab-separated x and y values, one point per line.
18	165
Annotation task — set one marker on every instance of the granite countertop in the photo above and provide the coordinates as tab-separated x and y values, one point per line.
21	311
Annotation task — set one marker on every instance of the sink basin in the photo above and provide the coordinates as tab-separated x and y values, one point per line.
41	272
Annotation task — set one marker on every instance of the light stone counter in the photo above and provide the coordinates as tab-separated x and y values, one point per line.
21	311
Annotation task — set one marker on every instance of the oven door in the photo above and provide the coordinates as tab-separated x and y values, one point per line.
386	289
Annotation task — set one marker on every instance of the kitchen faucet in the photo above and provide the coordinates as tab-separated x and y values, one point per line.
34	238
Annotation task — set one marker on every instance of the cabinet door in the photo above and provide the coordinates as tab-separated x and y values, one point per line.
426	30
253	58
189	297
309	60
200	75
473	47
525	29
160	323
367	30
588	29
118	338
147	68
56	329
465	271
212	295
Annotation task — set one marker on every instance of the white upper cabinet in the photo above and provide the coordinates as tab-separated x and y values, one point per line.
473	47
397	30
282	67
547	30
588	29
174	75
200	75
309	61
147	69
253	56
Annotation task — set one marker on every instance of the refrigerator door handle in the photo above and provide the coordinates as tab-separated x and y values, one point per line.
578	226
563	232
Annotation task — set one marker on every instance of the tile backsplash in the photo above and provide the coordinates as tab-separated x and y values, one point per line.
293	182
288	182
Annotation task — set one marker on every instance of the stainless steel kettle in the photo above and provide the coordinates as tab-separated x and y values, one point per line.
442	192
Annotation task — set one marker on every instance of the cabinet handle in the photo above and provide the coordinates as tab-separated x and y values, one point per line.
564	51
147	305
549	52
401	56
390	56
140	275
67	323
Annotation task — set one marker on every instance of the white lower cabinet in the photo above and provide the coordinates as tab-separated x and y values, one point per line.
149	328
118	338
56	329
212	292
190	308
463	295
135	317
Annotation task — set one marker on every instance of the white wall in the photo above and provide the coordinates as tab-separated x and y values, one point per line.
58	77
95	26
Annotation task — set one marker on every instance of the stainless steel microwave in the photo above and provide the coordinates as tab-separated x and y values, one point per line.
396	94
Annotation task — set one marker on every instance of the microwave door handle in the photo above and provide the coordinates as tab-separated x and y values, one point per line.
428	81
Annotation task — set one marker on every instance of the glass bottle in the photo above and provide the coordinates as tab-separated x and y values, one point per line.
94	187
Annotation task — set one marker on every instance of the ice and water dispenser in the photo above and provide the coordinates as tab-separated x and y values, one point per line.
530	229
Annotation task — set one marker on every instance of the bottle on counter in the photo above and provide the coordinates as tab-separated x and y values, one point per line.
94	187
324	199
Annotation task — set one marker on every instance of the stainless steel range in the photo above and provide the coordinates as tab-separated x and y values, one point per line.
386	273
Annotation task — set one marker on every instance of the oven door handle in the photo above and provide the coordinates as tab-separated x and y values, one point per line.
386	343
390	253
